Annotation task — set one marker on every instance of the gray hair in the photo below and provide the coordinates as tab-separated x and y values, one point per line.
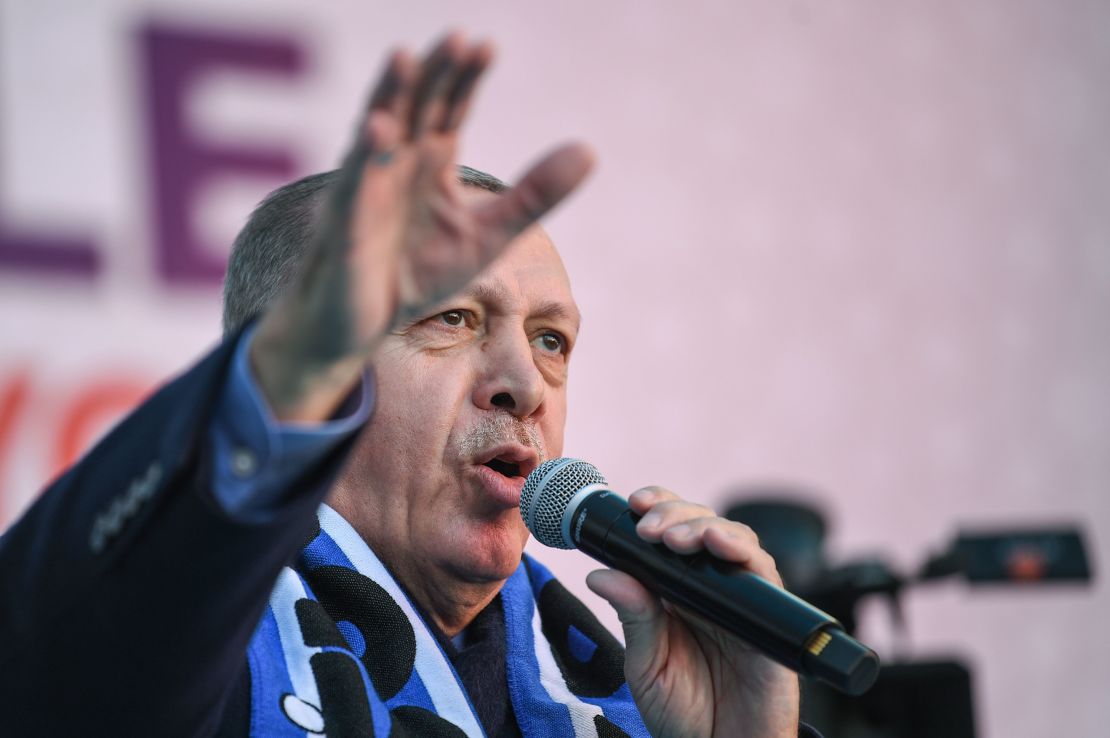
267	253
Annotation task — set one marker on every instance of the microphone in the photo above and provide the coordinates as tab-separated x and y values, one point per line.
567	503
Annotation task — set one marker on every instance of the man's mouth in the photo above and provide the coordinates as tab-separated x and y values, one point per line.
511	460
506	465
504	468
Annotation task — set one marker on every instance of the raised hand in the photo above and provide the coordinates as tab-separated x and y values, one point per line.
690	677
396	235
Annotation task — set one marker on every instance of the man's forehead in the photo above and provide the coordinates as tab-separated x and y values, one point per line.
493	291
530	276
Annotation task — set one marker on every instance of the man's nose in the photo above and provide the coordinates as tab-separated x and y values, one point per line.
509	379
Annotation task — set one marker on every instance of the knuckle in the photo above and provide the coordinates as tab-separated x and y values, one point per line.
670	509
743	531
654	492
704	521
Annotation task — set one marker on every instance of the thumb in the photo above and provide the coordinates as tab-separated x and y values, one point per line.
554	177
642	617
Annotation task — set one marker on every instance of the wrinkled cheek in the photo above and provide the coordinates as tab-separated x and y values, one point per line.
553	439
403	433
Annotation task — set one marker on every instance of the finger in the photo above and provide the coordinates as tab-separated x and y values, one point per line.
396	80
645	498
437	73
462	91
540	189
735	546
396	97
373	135
688	536
375	139
642	617
371	152
667	514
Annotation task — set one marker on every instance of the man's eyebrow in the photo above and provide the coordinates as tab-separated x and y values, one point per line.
495	293
490	292
554	309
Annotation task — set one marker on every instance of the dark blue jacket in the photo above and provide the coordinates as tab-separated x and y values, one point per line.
127	598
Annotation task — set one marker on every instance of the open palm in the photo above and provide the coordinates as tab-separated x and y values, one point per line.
397	234
400	234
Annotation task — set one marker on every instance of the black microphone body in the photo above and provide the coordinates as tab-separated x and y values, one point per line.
600	523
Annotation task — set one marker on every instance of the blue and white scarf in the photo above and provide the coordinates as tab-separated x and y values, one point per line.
341	650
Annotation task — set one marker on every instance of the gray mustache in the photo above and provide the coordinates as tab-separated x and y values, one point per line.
492	430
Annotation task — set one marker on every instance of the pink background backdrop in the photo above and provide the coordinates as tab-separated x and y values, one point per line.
859	246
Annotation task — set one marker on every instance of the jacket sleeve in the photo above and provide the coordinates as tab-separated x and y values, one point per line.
127	596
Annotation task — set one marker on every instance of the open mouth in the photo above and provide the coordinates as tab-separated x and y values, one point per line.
504	468
508	465
512	461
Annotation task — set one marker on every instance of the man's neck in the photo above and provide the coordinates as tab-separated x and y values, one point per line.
449	598
448	601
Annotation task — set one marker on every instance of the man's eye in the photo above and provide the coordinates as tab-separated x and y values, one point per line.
453	318
551	342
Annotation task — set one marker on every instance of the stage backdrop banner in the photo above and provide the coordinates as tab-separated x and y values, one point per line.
858	247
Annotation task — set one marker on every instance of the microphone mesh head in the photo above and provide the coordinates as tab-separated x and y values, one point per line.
547	492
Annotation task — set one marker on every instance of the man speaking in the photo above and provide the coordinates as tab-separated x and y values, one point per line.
398	342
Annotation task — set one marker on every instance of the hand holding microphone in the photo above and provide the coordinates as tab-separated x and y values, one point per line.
702	565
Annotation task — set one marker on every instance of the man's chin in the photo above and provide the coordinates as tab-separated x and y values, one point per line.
483	573
490	557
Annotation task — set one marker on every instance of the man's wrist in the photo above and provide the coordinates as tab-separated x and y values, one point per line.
256	456
297	388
